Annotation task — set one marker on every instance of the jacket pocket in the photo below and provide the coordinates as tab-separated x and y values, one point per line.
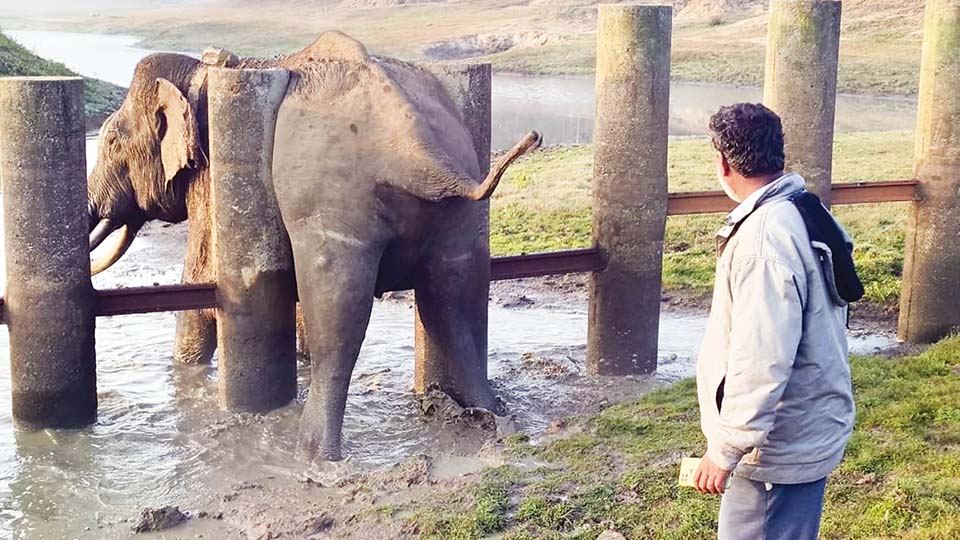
753	458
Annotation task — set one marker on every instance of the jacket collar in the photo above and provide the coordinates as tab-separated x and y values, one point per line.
786	185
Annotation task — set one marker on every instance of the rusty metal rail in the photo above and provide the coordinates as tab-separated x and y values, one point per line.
709	202
132	300
545	264
202	296
156	299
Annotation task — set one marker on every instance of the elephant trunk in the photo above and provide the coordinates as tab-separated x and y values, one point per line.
128	233
486	188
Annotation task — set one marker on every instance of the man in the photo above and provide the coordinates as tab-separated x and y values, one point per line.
773	379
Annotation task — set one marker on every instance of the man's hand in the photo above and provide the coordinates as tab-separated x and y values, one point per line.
710	478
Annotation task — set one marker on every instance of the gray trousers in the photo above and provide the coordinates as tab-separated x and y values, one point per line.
748	511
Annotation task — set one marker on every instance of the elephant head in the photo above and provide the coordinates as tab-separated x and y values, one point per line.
151	150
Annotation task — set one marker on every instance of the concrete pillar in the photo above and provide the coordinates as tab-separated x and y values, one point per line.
256	288
629	187
49	300
800	84
469	85
930	301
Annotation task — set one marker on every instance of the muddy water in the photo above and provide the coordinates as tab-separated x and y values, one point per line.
560	107
161	439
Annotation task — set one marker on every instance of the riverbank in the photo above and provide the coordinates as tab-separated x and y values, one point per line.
544	201
101	98
879	52
617	469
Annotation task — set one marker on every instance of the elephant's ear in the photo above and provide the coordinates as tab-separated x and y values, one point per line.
179	135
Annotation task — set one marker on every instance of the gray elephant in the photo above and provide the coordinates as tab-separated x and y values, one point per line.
377	180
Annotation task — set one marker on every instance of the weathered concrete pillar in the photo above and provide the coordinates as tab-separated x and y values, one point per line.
800	84
930	301
629	187
256	288
49	300
469	85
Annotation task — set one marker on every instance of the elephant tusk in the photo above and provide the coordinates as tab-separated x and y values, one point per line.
101	232
486	188
128	233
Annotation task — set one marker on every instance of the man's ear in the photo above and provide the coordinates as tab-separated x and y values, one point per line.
722	165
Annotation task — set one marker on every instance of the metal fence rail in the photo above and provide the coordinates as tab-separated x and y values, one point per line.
708	202
133	300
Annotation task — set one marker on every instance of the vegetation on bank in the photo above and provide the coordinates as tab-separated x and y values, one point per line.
618	469
101	97
543	204
733	52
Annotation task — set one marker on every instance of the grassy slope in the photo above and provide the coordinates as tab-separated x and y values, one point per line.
880	50
544	204
101	97
900	477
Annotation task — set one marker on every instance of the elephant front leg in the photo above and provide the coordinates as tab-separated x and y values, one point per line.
196	337
336	296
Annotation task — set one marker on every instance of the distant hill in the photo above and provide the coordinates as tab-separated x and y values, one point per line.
102	98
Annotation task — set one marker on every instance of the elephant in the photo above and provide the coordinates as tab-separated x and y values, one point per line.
378	186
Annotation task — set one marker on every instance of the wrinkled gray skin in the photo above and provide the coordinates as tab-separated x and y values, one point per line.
376	177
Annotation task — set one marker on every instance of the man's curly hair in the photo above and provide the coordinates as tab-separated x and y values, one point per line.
750	137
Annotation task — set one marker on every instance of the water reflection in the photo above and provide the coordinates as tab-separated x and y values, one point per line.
563	108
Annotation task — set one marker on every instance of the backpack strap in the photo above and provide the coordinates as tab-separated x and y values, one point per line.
824	229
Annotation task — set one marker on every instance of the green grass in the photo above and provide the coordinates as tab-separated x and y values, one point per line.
544	204
900	477
101	98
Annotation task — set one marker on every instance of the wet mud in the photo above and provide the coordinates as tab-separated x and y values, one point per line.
161	440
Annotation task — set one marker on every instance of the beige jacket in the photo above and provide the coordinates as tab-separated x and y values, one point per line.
776	342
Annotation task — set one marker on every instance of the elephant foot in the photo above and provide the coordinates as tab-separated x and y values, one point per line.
196	338
312	447
318	439
440	400
479	396
189	354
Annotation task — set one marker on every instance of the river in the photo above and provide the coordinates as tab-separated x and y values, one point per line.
160	437
562	108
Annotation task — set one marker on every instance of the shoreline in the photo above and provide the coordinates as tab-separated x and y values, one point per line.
155	45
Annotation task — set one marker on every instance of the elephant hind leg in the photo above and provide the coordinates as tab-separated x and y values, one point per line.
451	302
336	294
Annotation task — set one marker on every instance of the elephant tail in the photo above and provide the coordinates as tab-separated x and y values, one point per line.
485	189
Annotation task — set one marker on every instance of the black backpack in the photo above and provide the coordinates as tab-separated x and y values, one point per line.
823	228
